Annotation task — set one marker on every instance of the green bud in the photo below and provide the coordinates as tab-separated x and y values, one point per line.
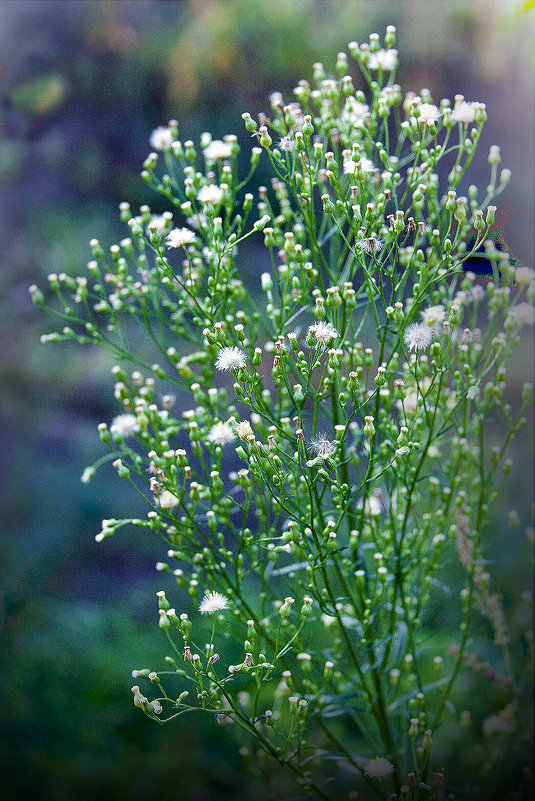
427	741
451	202
250	124
328	205
306	609
262	222
369	428
494	155
150	162
265	138
398	312
164	621
286	607
36	295
380	378
491	211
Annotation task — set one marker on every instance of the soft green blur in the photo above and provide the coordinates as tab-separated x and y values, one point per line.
83	86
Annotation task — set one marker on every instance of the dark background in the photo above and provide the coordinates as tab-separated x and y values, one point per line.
82	85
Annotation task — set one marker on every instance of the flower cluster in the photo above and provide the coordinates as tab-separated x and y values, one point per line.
333	463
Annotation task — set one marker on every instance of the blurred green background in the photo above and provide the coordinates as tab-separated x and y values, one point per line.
82	85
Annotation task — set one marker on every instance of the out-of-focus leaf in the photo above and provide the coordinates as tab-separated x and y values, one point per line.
40	95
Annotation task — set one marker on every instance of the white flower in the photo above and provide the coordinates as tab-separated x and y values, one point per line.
354	111
522	314
418	336
473	391
230	359
179	237
243	430
378	767
166	499
323	331
370	244
429	113
366	165
286	144
464	112
159	223
323	446
115	300
478	293
463	297
221	433
387	59
124	425
434	314
524	276
329	86
328	620
217	150
374	505
213	602
161	138
210	193
266	281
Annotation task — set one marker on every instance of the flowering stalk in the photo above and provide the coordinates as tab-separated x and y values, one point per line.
335	462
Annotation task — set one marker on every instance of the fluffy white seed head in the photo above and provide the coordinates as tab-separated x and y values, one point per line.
124	425
418	336
212	603
217	149
161	138
179	237
378	767
230	359
324	332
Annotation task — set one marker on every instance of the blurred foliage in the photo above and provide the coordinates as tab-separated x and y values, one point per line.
40	95
83	85
68	725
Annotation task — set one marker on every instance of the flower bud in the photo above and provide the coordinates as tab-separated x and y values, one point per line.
328	205
390	36
494	155
164	621
479	223
427	741
250	124
369	428
328	670
491	211
286	607
265	138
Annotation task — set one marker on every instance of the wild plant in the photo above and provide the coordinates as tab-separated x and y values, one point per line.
324	495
